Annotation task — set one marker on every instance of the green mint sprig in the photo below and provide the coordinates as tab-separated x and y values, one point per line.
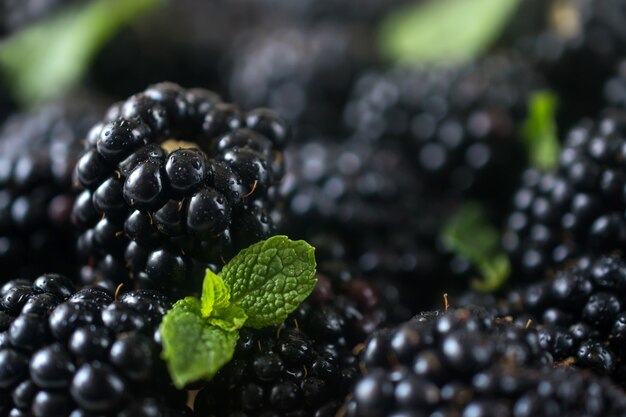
259	287
469	234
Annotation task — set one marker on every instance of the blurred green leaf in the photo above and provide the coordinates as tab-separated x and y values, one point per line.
540	130
46	59
470	235
444	30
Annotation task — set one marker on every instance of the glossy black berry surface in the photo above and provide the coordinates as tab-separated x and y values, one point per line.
174	180
466	362
38	152
76	353
577	210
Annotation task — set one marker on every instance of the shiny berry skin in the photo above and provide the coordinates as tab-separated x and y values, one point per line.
580	206
470	362
171	172
89	355
38	153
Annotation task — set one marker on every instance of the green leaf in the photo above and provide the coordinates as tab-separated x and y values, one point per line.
192	347
215	293
230	317
46	59
540	130
470	235
444	30
269	279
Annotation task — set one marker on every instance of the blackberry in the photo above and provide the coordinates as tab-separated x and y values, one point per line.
367	198
579	313
466	362
307	365
68	353
459	124
303	72
38	152
175	180
576	210
579	51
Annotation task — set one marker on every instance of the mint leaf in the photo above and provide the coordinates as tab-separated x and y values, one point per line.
470	235
540	130
46	59
192	347
444	30
258	287
269	279
215	293
231	317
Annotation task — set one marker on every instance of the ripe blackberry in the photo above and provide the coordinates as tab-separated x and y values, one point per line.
67	353
466	362
368	198
38	152
460	125
576	210
579	51
175	180
580	314
306	366
303	72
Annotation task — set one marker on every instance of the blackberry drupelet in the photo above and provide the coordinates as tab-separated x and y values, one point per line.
303	72
580	314
38	152
67	353
465	362
576	210
175	180
306	366
459	124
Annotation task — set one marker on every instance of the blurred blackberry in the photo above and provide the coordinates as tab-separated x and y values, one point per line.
306	366
580	314
67	353
579	52
303	72
460	125
175	180
369	196
466	362
38	152
576	210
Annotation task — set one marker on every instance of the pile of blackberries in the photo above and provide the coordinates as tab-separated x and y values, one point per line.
202	129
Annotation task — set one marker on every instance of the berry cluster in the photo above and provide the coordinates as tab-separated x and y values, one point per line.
38	153
65	352
458	124
175	180
577	210
467	362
